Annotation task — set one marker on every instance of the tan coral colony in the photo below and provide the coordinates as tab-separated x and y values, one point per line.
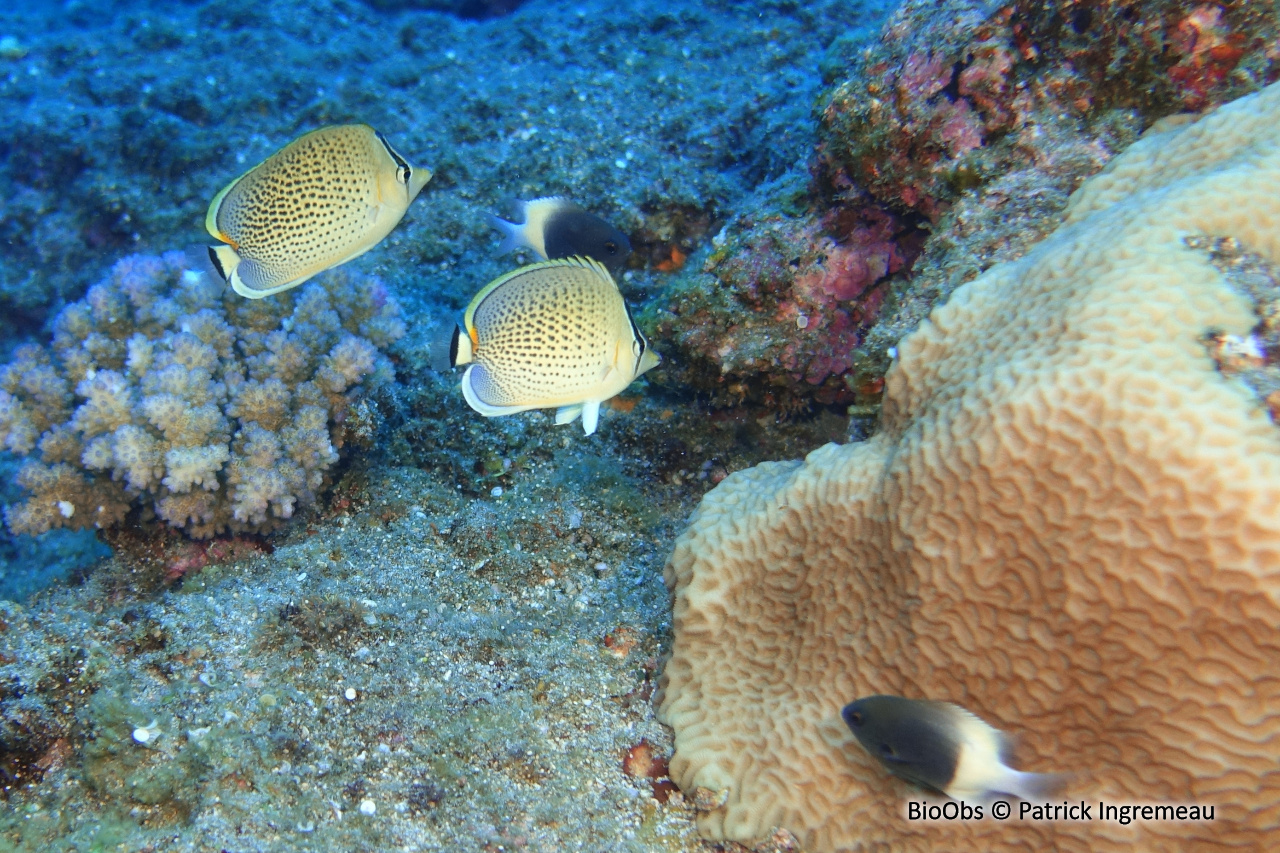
1069	523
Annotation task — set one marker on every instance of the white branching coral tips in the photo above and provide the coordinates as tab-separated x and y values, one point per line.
213	411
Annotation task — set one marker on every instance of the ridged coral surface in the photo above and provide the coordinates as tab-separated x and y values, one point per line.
1069	524
166	391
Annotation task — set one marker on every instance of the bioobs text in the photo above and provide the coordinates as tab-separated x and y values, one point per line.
950	810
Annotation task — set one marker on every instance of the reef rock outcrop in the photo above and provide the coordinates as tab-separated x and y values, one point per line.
958	92
1069	523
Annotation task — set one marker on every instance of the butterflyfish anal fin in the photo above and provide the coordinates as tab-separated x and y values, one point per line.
568	414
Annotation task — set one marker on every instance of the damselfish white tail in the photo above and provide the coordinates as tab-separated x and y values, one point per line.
1032	787
512	234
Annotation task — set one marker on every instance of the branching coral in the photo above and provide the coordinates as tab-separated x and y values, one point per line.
213	412
1067	523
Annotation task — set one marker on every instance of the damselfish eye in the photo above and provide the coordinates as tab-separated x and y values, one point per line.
611	247
855	719
886	749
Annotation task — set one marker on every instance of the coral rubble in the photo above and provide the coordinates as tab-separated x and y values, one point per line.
165	391
1067	524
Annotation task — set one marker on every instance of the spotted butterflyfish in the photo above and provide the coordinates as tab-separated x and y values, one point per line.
944	747
555	334
325	198
557	228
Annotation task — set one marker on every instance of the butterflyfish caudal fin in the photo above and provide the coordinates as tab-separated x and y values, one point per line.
449	348
224	260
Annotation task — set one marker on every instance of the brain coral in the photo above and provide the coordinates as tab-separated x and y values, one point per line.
164	390
1069	523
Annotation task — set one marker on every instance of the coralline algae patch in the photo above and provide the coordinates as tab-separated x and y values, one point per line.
957	93
372	685
779	310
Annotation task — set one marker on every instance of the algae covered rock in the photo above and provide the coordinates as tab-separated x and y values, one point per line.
777	315
957	93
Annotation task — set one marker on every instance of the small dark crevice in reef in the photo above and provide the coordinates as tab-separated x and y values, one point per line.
1255	357
470	10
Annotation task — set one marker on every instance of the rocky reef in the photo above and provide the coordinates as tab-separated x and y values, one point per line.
956	94
948	145
777	315
340	612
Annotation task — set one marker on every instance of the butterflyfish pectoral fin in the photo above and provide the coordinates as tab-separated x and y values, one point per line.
568	414
590	416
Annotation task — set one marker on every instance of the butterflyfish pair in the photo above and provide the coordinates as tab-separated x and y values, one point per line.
555	334
944	747
327	197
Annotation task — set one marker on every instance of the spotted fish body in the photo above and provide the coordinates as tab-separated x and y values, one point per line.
552	334
325	198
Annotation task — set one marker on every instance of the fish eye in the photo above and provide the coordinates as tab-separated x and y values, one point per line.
403	174
886	749
855	718
611	247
